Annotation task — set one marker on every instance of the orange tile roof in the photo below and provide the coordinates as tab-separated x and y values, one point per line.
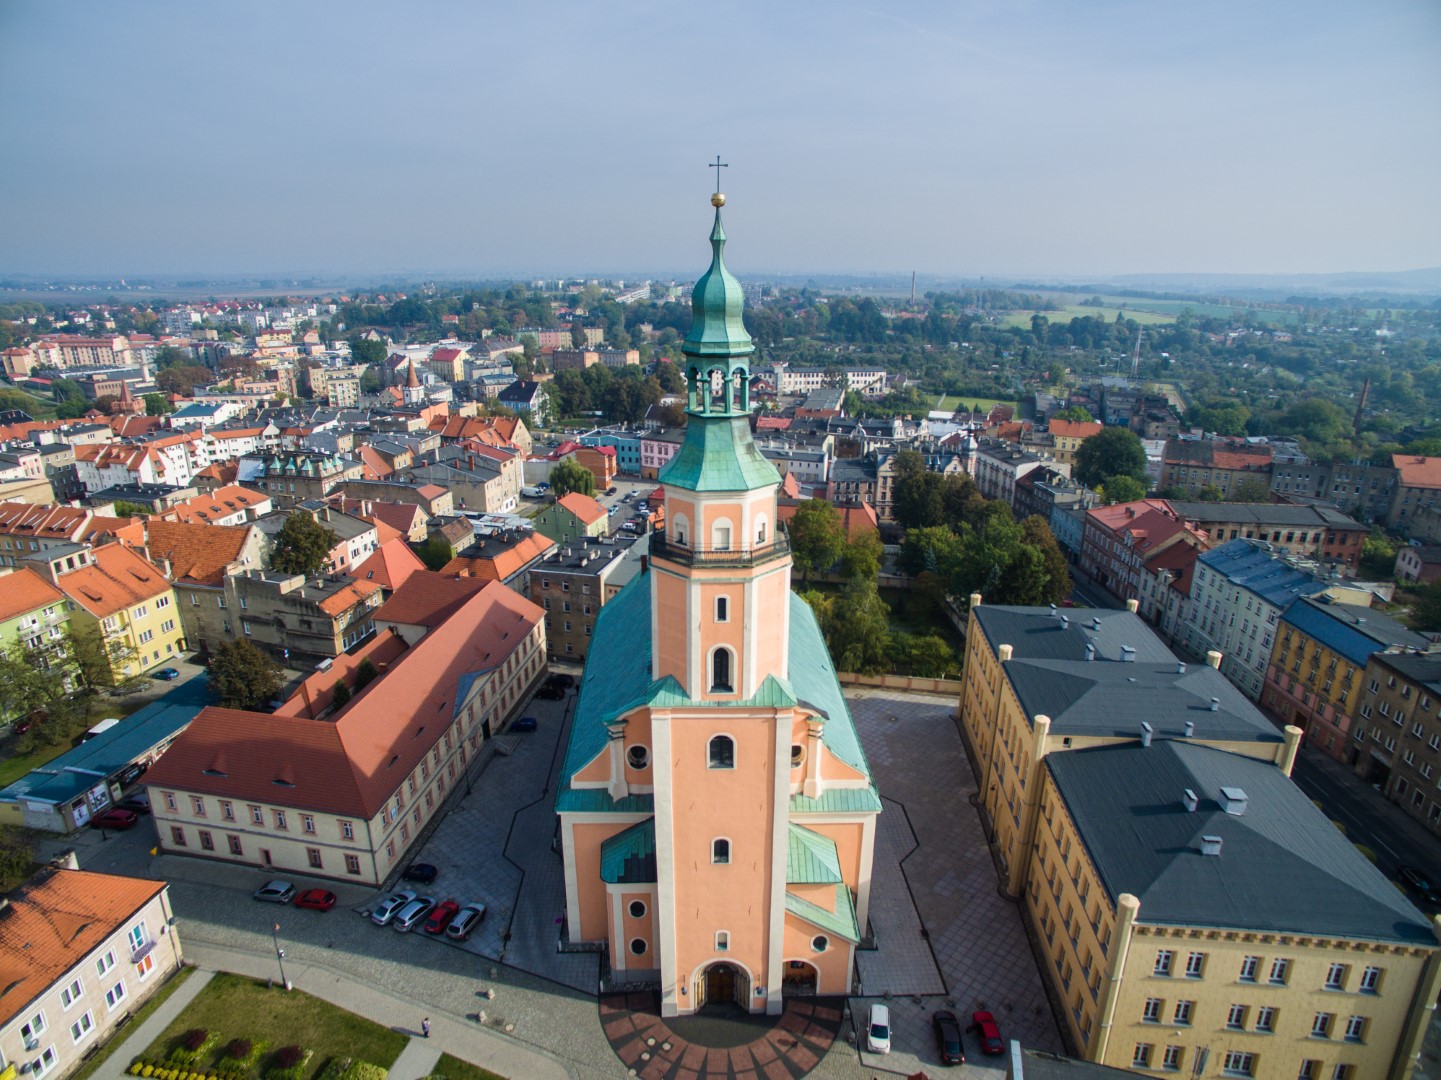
1422	472
1076	429
198	553
313	696
353	765
346	597
223	472
390	564
118	579
502	564
25	591
220	503
586	510
53	922
427	599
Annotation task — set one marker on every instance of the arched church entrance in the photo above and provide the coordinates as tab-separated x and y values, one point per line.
799	980
723	983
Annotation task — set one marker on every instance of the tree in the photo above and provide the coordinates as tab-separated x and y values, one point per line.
183	380
929	656
126	508
1250	491
1078	413
28	681
168	356
1121	489
856	626
364	350
570	475
303	545
339	695
1378	555
157	405
16	399
817	537
435	551
243	676
861	559
1112	451
365	674
95	662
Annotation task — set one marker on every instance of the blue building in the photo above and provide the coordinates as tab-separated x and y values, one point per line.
626	443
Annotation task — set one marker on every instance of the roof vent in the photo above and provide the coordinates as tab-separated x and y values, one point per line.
1233	801
1090	651
1190	728
1189	801
1128	654
1180	667
1053	611
1065	621
1215	704
1095	622
1145	734
1211	845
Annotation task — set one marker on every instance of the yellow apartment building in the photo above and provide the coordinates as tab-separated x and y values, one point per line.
1199	915
129	602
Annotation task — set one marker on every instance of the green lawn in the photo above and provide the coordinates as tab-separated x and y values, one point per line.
137	1018
952	402
242	1008
13	768
452	1068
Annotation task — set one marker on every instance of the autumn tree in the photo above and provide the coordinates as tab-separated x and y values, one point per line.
243	676
303	545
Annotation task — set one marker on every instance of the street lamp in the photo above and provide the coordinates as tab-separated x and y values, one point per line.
279	954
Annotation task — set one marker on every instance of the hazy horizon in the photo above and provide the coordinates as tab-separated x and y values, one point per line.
1044	140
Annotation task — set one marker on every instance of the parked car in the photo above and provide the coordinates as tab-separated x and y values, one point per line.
550	693
948	1037
1420	883
465	921
422	872
116	818
276	892
139	803
441	916
524	723
386	909
410	916
878	1030
132	773
561	679
167	674
984	1024
316	900
611	490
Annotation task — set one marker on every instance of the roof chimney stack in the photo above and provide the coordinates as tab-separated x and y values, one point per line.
1180	667
1233	801
1065	622
1128	654
1211	845
1190	728
1090	652
1145	734
1004	653
1095	622
1133	606
1215	704
1213	658
1053	611
1189	801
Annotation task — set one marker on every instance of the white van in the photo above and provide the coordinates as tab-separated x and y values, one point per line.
101	728
532	491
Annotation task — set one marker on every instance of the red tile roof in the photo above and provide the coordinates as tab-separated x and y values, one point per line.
427	599
198	553
119	579
1077	429
390	564
1422	472
503	563
586	510
25	591
220	503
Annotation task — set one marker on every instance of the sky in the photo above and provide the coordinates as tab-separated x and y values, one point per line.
1025	137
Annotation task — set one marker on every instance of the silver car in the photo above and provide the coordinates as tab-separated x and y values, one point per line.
277	892
387	908
413	914
465	921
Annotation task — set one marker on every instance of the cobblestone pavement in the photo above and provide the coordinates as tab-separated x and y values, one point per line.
902	962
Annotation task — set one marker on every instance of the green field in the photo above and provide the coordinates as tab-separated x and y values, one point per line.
952	402
1076	311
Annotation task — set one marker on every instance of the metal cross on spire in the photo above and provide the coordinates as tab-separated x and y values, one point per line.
718	165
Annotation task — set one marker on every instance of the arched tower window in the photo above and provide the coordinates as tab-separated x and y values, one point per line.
720	668
720	850
721	752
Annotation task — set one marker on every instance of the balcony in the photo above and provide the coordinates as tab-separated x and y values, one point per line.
662	547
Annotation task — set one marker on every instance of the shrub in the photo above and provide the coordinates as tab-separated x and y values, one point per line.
239	1049
194	1039
136	1066
288	1056
334	1069
147	1071
364	1070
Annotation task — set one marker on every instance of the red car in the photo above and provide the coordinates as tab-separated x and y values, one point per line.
985	1024
115	818
441	916
316	900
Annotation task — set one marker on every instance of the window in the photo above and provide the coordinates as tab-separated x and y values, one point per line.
257	816
1336	977
637	757
1321	1025
1184	1010
115	995
720	666
1171	1058
170	803
637	909
72	993
347	830
177	835
1280	969
1249	965
1141	1056
46	1060
82	1027
33	1028
1370	980
638	946
820	943
722	609
1151	1012
1266	1018
199	804
227	810
720	850
721	752
1164	959
722	941
105	963
1342	1072
207	843
1236	1018
1238	1063
352	864
1195	965
1356	1029
234	842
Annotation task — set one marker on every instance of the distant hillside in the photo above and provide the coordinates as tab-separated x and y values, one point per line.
1426	282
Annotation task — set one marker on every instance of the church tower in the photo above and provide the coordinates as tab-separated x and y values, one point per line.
414	393
716	809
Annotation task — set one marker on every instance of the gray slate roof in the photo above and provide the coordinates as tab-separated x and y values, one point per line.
1283	866
1037	633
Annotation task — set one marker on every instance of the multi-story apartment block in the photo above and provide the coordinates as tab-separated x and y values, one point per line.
1396	741
868	382
34	614
1361	490
290	615
227	505
127	601
570	584
1418	487
997	465
572	517
201	559
356	538
295	476
349	797
1316	532
656	448
1068	435
1195	914
1314	673
1117	540
1218	463
480	478
1041	682
625	443
80	952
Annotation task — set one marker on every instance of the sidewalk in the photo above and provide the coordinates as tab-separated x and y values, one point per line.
460	1036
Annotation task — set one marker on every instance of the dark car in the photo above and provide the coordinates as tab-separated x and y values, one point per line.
421	872
984	1024
1419	883
116	818
136	804
561	679
132	773
551	693
316	900
525	723
169	674
611	490
948	1037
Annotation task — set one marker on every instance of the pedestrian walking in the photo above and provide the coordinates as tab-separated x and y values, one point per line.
425	1027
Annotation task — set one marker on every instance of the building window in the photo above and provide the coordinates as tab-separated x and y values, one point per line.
1151	1012
170	803
72	993
82	1027
33	1028
45	1062
199	805
1280	970
1336	977
1343	1072
115	995
177	835
637	757
105	963
637	909
1171	1059
720	850
798	755
307	824
347	830
1195	965
1356	1029
280	820
1184	1011
1236	1018
227	810
1321	1025
1266	1018
313	854
1370	980
352	864
1249	965
1238	1063
1141	1056
722	609
722	941
206	842
720	666
721	752
638	946
1164	959
257	815
235	848
820	943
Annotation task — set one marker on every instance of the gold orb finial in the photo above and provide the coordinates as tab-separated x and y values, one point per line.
717	200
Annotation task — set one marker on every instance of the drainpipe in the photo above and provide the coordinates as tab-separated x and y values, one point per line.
1128	907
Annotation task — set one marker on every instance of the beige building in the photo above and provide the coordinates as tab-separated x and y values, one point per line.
128	601
80	952
1396	739
348	797
309	617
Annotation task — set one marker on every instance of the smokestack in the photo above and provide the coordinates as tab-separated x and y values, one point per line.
1213	658
1145	734
1065	622
1290	743
1215	704
1053	611
1004	653
1095	622
975	599
1133	606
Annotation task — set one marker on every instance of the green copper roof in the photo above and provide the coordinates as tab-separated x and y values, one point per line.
628	858
813	678
811	858
839	800
716	326
719	455
841	922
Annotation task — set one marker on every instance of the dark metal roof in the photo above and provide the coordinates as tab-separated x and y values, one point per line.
1283	867
1037	633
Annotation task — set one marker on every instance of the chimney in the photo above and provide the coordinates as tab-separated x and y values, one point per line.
1004	653
1065	622
1213	658
66	860
1233	801
1180	667
644	563
1053	611
1215	704
1133	606
1211	845
1291	742
1189	801
975	599
1190	728
1145	734
1095	622
1128	654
